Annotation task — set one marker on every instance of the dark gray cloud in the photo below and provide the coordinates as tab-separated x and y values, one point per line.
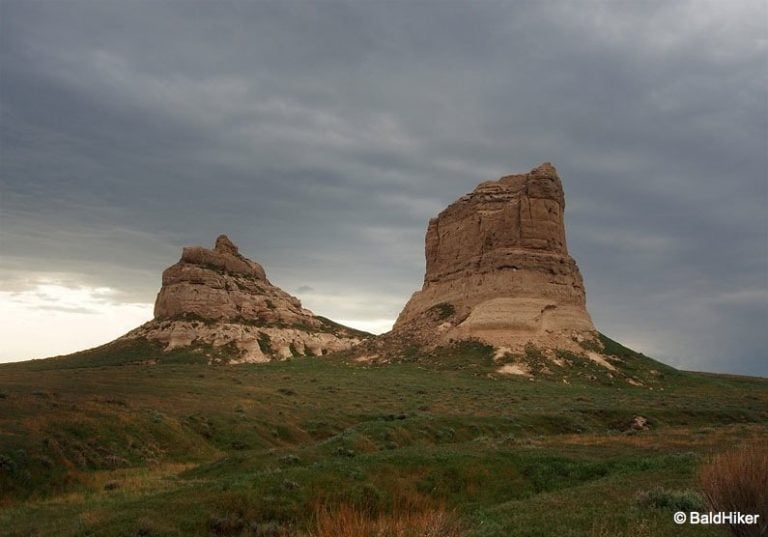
321	136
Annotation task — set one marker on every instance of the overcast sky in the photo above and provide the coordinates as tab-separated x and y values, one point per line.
322	136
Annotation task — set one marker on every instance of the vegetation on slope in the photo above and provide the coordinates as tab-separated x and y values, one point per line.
290	448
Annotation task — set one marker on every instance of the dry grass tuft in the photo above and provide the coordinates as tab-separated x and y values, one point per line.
346	521
738	481
640	528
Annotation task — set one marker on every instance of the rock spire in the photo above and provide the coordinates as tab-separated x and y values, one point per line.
498	269
218	298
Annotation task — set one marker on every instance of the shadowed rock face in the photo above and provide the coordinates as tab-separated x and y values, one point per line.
498	269
219	298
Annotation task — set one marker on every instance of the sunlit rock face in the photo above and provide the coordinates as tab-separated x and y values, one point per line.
219	298
498	269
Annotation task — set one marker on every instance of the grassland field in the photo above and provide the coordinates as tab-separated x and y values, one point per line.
97	444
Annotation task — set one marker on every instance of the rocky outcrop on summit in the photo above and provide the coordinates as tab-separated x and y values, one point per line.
221	284
218	298
498	270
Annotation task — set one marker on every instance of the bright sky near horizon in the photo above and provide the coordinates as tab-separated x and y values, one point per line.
321	137
77	318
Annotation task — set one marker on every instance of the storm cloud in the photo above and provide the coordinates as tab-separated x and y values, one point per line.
321	137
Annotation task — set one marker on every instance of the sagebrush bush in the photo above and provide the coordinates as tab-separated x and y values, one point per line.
738	481
673	500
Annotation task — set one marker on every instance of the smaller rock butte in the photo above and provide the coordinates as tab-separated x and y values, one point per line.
219	297
498	270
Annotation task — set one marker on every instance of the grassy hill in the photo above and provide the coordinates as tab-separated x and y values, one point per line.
99	443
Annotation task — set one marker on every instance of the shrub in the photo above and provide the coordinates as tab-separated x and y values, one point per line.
672	500
738	481
265	343
238	516
344	452
442	311
290	459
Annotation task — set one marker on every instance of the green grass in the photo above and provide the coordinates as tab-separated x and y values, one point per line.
137	351
327	325
89	448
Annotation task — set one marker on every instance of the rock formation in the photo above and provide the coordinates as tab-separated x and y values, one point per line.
217	298
498	270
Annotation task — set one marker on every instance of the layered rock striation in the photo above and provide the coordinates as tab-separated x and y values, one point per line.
498	270
220	299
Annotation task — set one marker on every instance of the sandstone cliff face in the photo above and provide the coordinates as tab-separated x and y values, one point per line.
216	298
221	284
498	269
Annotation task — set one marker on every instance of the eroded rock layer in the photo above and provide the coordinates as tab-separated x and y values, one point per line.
498	269
218	298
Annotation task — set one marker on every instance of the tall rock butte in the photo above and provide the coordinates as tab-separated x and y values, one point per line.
498	270
219	299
